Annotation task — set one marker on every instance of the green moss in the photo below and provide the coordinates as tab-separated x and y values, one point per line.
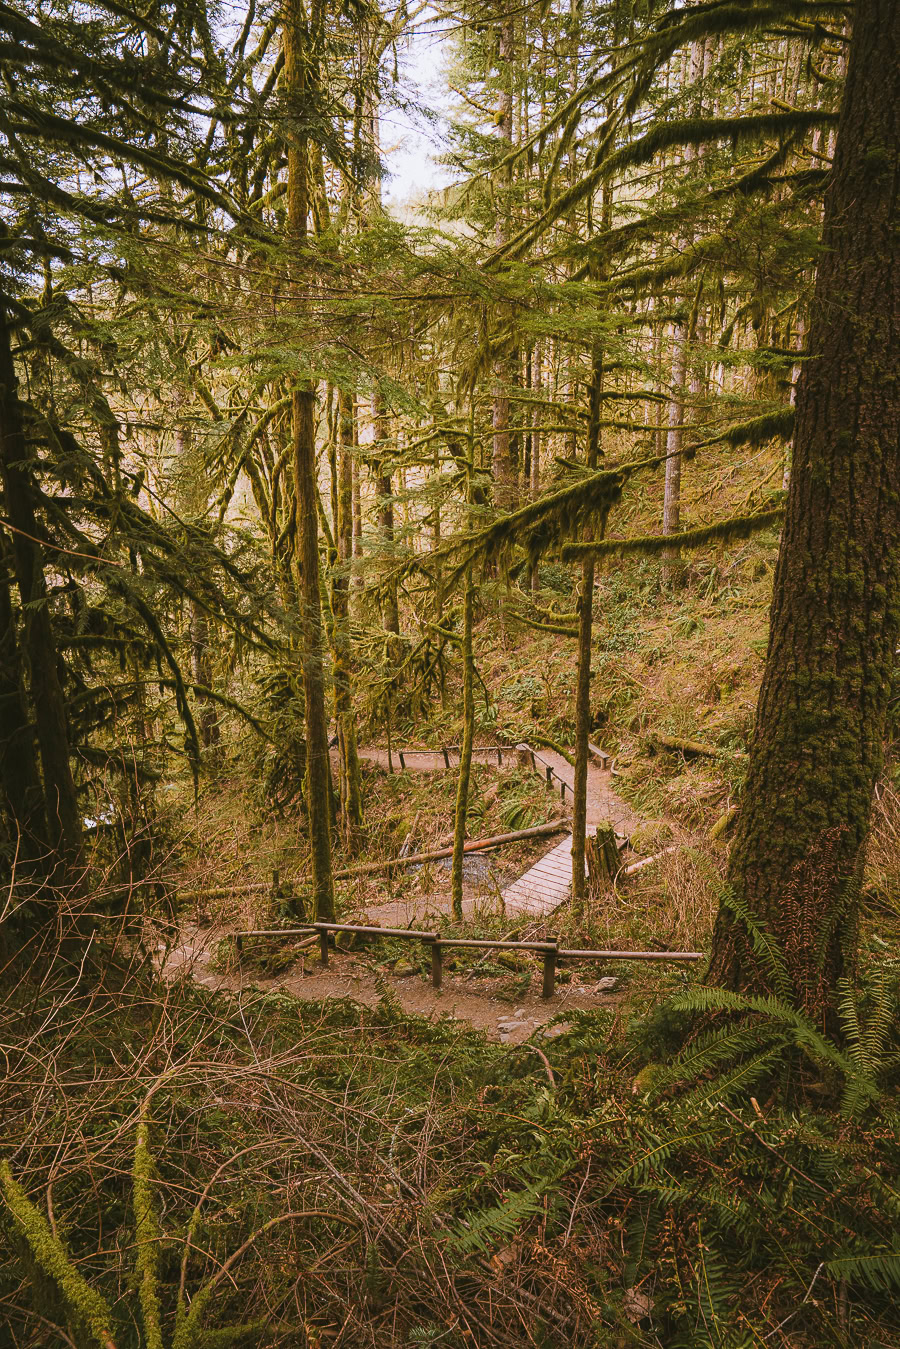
148	1236
86	1308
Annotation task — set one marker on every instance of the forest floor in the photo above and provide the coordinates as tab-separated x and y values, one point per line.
486	1005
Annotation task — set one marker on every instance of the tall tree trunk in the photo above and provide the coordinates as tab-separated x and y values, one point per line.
201	666
583	676
537	418
356	498
817	749
436	542
465	753
390	608
21	794
503	457
303	435
468	735
682	336
351	787
672	499
60	799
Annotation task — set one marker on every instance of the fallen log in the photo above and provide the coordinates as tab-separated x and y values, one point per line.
371	868
687	746
476	845
634	867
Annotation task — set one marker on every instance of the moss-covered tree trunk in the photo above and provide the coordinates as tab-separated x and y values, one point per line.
674	435
303	434
23	831
583	677
194	502
61	812
201	667
465	753
390	608
817	749
468	735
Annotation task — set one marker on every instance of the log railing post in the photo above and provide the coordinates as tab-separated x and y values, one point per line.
323	944
550	959
437	962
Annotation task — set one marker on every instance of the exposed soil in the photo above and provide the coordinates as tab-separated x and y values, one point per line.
483	1004
351	976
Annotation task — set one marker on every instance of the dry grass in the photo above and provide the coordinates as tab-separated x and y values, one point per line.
883	853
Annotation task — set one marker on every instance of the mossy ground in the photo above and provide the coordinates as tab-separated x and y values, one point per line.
450	1190
394	1181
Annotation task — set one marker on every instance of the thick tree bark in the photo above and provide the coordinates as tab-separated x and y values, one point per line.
303	432
817	748
21	794
61	803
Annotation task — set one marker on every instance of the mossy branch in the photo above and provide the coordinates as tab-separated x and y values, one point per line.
86	1307
540	524
147	1233
693	131
556	628
771	425
736	527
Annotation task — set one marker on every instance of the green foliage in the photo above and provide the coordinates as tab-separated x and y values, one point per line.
630	1169
487	1228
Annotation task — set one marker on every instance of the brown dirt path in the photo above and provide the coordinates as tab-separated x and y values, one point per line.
351	976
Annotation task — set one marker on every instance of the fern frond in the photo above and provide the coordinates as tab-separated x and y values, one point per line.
879	1270
764	945
488	1227
723	1044
848	1008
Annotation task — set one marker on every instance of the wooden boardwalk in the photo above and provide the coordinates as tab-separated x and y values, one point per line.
548	883
544	886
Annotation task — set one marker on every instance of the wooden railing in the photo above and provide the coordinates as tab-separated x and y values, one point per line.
538	762
522	751
552	952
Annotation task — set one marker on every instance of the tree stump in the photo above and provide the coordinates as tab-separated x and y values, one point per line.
602	856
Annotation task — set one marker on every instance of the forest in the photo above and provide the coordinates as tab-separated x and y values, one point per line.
449	680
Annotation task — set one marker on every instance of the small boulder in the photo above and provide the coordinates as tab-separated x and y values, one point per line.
404	968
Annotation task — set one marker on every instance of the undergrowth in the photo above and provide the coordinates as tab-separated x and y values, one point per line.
188	1168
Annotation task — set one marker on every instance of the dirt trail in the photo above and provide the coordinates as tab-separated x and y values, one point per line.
480	1004
602	801
351	976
